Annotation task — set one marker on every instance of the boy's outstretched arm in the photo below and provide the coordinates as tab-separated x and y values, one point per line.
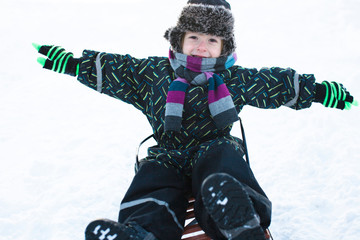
334	95
57	59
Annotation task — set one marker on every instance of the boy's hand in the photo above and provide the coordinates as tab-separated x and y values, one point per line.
334	95
58	59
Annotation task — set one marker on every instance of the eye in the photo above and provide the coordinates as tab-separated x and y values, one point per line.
193	37
213	40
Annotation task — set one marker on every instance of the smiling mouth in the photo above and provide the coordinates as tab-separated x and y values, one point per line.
198	56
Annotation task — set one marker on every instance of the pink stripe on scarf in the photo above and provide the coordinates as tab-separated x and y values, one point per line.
221	92
183	80
176	97
194	63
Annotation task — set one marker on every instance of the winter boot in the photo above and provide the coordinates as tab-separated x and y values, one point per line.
230	206
104	229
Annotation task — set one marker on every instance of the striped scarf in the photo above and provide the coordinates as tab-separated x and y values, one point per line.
199	71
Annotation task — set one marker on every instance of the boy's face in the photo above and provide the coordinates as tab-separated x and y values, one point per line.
202	45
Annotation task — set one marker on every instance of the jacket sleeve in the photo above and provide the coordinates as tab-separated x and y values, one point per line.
119	76
273	88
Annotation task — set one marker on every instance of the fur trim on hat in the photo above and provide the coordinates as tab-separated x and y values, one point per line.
207	19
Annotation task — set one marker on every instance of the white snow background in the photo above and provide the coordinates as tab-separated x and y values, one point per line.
67	152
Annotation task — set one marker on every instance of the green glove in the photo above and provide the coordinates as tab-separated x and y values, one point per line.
334	95
58	59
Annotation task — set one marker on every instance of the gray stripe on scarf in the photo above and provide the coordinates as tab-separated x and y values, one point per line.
181	58
218	106
208	64
199	80
174	109
175	65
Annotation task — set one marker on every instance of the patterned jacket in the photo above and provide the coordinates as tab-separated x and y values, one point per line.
144	84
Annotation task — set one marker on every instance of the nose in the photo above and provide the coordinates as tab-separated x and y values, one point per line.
202	46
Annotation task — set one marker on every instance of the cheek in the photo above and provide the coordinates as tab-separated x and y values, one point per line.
215	51
187	48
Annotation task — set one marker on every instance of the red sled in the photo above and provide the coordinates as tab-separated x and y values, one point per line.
193	231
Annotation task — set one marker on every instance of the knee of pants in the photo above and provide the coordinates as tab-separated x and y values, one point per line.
156	200
227	159
153	176
223	158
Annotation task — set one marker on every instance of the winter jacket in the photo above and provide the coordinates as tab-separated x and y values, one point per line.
144	84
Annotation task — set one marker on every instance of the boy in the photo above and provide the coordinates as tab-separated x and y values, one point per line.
191	100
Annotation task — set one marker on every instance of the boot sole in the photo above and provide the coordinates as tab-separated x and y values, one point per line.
229	205
104	229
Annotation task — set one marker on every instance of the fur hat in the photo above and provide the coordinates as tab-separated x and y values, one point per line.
211	17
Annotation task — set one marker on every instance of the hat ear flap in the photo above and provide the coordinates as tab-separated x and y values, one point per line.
175	37
229	46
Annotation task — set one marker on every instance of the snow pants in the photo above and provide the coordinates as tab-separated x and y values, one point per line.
157	198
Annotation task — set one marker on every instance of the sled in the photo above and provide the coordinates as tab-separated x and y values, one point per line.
192	230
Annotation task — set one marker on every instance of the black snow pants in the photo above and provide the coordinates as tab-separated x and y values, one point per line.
157	198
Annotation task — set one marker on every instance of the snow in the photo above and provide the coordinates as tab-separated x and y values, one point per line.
67	153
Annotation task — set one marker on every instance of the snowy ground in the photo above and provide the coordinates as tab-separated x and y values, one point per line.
67	152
